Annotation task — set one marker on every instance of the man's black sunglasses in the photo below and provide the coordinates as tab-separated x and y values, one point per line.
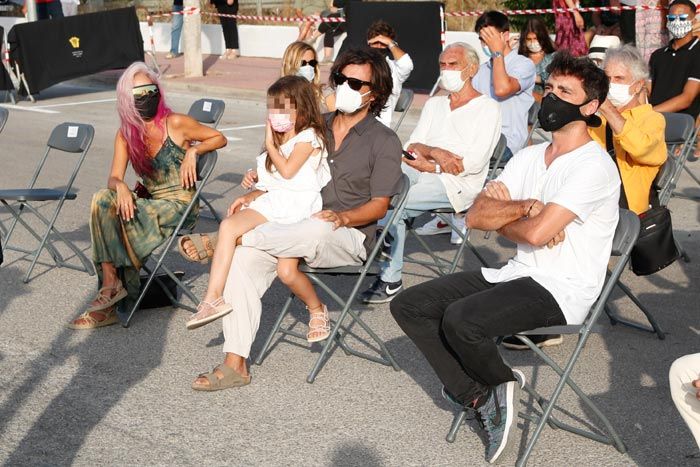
313	62
354	83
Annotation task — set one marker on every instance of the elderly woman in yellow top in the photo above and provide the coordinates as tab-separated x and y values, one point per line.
631	126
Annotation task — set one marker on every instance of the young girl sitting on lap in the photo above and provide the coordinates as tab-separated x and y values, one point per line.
291	174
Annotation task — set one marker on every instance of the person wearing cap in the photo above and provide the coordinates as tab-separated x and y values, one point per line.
675	69
599	45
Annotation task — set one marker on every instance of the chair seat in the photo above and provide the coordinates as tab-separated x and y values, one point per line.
34	194
442	211
568	329
374	270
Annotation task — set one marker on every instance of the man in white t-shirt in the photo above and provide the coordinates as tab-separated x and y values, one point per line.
451	156
559	202
507	77
382	36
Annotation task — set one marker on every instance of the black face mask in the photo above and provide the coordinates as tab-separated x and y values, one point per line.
147	105
555	113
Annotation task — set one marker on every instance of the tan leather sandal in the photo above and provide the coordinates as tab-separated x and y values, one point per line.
107	297
88	321
231	379
319	325
208	312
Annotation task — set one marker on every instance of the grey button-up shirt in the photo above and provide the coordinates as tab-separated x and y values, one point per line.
367	165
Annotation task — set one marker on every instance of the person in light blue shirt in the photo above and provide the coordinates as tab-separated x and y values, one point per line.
507	77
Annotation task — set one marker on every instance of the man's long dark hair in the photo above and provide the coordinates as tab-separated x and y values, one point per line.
381	82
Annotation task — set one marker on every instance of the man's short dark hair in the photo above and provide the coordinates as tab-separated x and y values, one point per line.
595	83
381	82
687	3
492	18
381	28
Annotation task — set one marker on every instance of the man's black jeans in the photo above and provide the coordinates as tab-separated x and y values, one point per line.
453	320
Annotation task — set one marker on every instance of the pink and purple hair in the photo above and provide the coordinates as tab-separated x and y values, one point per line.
133	127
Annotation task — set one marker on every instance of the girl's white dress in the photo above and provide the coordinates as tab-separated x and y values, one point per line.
291	200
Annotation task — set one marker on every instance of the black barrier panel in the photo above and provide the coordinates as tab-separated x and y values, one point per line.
56	50
417	27
5	81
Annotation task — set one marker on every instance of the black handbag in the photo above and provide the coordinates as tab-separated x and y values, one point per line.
655	248
155	296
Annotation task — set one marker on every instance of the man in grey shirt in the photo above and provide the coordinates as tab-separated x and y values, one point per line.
365	162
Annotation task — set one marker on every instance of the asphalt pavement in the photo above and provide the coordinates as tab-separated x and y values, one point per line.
118	396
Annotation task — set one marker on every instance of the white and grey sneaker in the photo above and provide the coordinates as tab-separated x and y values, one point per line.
381	292
434	227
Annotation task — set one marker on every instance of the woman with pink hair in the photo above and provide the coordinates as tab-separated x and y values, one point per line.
125	225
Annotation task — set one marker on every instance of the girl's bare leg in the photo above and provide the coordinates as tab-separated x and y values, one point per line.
230	232
300	285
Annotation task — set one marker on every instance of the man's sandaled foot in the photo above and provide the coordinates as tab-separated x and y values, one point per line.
94	319
221	377
319	325
107	297
197	247
208	312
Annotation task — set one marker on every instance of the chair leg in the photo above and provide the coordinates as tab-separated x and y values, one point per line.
327	346
682	251
211	208
457	423
654	329
275	330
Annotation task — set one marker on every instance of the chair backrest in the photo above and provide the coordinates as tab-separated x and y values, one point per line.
205	165
532	113
207	111
679	128
71	137
496	156
396	205
4	114
404	101
626	233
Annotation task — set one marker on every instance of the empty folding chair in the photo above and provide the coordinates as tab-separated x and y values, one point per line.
625	237
66	139
126	309
402	105
339	331
208	112
446	215
680	141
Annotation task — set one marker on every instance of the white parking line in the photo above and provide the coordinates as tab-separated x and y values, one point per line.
247	127
30	109
66	104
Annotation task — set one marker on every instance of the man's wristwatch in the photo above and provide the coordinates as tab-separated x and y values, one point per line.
438	170
393	44
496	55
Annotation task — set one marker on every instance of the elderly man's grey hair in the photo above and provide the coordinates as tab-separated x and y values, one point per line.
631	58
469	52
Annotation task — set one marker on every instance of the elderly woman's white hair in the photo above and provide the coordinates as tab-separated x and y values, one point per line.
469	52
631	58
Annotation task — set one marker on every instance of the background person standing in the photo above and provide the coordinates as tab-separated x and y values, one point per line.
229	26
176	29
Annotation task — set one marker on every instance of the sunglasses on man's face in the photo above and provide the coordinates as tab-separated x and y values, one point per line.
144	90
354	83
682	17
312	63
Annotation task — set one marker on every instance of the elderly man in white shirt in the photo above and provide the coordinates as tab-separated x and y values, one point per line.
451	152
381	35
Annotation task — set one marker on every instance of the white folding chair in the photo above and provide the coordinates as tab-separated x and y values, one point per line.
67	139
626	235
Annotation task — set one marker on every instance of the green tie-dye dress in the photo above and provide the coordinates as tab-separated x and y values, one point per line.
127	244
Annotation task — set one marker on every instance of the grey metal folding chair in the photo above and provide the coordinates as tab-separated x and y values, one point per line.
445	214
402	106
626	235
126	310
4	115
680	141
67	139
339	331
208	112
679	130
534	124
